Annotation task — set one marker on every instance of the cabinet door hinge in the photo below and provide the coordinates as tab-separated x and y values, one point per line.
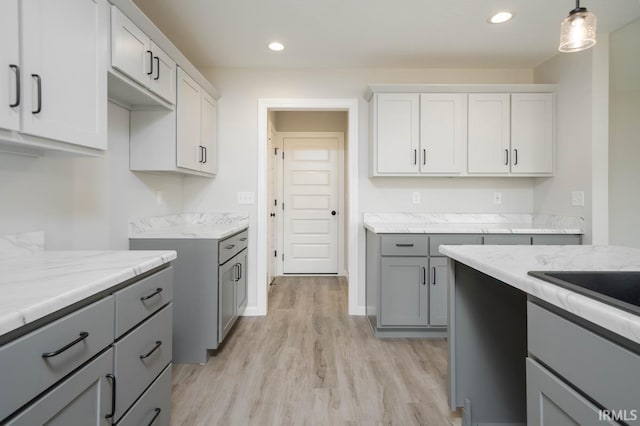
275	202
275	151
282	256
282	206
275	253
283	155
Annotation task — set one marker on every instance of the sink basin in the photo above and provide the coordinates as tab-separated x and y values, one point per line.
617	288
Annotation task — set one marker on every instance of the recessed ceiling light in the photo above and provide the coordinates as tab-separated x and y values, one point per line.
276	46
501	17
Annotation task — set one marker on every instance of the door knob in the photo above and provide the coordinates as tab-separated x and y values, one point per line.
333	213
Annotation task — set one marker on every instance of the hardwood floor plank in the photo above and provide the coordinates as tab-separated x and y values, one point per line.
310	363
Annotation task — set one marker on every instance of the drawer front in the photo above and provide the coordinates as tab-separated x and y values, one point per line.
601	369
437	241
154	407
83	398
138	301
514	240
404	245
227	249
243	240
23	365
564	240
139	358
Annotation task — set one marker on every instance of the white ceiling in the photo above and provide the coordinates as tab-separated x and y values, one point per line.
372	33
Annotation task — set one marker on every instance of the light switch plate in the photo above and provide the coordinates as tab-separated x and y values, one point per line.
577	198
246	197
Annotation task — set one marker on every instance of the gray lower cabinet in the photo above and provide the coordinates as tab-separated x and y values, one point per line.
438	280
404	296
551	402
153	406
211	290
87	367
585	361
407	278
84	399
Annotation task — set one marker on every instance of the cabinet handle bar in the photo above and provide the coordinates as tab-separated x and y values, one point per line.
155	293
113	396
404	245
39	92
155	416
83	335
148	354
16	69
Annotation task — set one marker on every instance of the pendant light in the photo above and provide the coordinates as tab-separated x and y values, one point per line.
578	30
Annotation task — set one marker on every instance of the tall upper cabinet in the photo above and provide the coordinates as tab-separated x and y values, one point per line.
438	130
54	85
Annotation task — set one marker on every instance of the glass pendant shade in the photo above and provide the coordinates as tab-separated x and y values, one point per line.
578	31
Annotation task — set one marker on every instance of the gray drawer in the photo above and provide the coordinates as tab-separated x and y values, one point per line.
227	248
155	401
404	245
557	240
24	372
437	241
137	373
603	370
514	240
243	240
138	301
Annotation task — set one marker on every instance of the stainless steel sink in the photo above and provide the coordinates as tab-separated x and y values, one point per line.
617	288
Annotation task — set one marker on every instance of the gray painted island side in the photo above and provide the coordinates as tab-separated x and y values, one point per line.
210	291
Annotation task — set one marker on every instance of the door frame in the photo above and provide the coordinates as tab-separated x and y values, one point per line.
298	104
341	190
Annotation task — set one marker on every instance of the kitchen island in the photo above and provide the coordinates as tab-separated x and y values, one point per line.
523	350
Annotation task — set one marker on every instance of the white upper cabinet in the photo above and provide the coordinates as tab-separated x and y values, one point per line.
10	95
135	55
396	133
189	123
209	133
55	96
443	132
532	133
489	133
183	140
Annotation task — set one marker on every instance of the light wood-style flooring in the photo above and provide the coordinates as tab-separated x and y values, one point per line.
309	363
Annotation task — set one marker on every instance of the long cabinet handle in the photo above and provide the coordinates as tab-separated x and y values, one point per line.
424	156
404	245
150	72
39	91
113	396
157	59
155	416
433	275
155	293
515	157
204	148
16	69
83	335
415	156
155	348
424	276
506	157
239	271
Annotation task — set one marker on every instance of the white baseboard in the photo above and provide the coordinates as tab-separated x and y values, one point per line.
252	311
359	311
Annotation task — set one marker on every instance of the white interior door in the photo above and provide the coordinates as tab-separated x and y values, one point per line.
272	196
310	196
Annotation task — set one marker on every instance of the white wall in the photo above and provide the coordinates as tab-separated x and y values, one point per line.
240	90
83	203
624	145
572	72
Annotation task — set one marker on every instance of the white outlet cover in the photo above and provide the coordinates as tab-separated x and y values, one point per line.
246	197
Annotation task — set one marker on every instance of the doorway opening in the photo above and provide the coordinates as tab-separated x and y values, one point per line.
307	192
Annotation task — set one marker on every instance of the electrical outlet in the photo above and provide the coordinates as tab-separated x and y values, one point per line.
497	198
246	197
415	198
577	198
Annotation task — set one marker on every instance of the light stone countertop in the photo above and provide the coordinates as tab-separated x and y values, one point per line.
36	285
188	225
510	265
464	223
